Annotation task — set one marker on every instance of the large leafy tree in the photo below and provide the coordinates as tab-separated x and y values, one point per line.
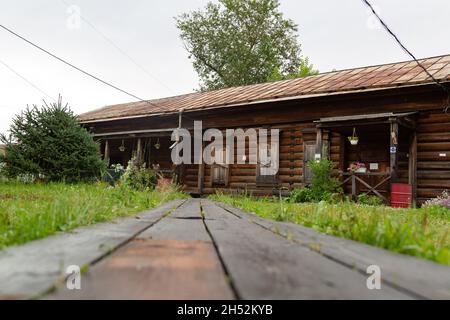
49	143
240	42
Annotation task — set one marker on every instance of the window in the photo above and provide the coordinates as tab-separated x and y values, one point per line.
267	167
220	172
309	152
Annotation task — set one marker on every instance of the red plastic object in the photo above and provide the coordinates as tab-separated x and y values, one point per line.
401	195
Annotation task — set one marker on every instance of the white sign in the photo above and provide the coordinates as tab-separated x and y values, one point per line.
373	166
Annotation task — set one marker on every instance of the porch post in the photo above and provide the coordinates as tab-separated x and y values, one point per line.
106	152
139	150
412	168
354	192
393	149
201	171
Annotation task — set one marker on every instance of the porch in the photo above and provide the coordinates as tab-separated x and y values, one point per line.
151	147
382	158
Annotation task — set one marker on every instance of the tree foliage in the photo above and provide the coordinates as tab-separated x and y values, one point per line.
241	42
49	143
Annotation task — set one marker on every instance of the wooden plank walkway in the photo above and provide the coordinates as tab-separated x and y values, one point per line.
200	249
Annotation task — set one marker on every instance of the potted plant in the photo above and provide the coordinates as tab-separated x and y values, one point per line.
353	138
357	167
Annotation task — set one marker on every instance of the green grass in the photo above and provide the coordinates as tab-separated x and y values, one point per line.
33	211
419	232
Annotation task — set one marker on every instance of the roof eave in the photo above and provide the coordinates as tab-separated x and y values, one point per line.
283	99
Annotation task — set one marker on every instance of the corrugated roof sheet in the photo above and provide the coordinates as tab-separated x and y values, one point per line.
373	77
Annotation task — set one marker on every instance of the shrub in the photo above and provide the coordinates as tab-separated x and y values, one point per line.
323	185
49	144
369	200
301	195
138	177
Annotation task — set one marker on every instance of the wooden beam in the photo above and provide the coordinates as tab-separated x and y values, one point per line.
201	171
394	149
342	152
412	167
354	191
167	131
106	152
139	150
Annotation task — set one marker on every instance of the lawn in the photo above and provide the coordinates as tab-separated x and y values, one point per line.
33	211
419	232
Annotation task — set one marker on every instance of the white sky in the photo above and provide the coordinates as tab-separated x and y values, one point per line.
334	34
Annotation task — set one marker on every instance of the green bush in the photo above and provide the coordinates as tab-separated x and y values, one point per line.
369	200
301	195
138	177
323	185
49	144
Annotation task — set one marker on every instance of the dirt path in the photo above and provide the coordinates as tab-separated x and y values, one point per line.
199	249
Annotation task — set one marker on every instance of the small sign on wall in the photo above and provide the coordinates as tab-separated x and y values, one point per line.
317	156
373	166
393	149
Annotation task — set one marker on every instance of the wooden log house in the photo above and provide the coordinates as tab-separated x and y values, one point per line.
397	112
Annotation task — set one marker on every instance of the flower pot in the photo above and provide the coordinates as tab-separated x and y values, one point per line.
353	142
361	170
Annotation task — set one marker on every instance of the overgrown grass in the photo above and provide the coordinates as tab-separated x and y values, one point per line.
33	211
419	232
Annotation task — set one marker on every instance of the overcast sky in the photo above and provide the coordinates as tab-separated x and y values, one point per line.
334	34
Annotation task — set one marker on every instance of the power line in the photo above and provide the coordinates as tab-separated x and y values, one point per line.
26	80
410	54
75	67
112	43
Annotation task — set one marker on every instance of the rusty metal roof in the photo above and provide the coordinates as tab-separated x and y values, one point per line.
391	75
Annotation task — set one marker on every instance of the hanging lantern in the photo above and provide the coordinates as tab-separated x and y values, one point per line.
353	138
122	147
157	145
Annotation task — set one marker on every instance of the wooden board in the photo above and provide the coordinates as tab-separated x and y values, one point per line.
155	269
185	223
33	268
174	259
416	277
263	265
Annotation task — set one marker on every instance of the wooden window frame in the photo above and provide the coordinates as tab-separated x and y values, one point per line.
225	167
326	146
264	180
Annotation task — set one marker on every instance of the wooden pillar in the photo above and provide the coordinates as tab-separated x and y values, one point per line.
319	144
201	170
179	169
412	167
139	150
354	191
393	150
341	153
106	152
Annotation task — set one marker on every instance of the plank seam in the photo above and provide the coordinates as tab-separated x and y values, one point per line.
343	263
221	259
